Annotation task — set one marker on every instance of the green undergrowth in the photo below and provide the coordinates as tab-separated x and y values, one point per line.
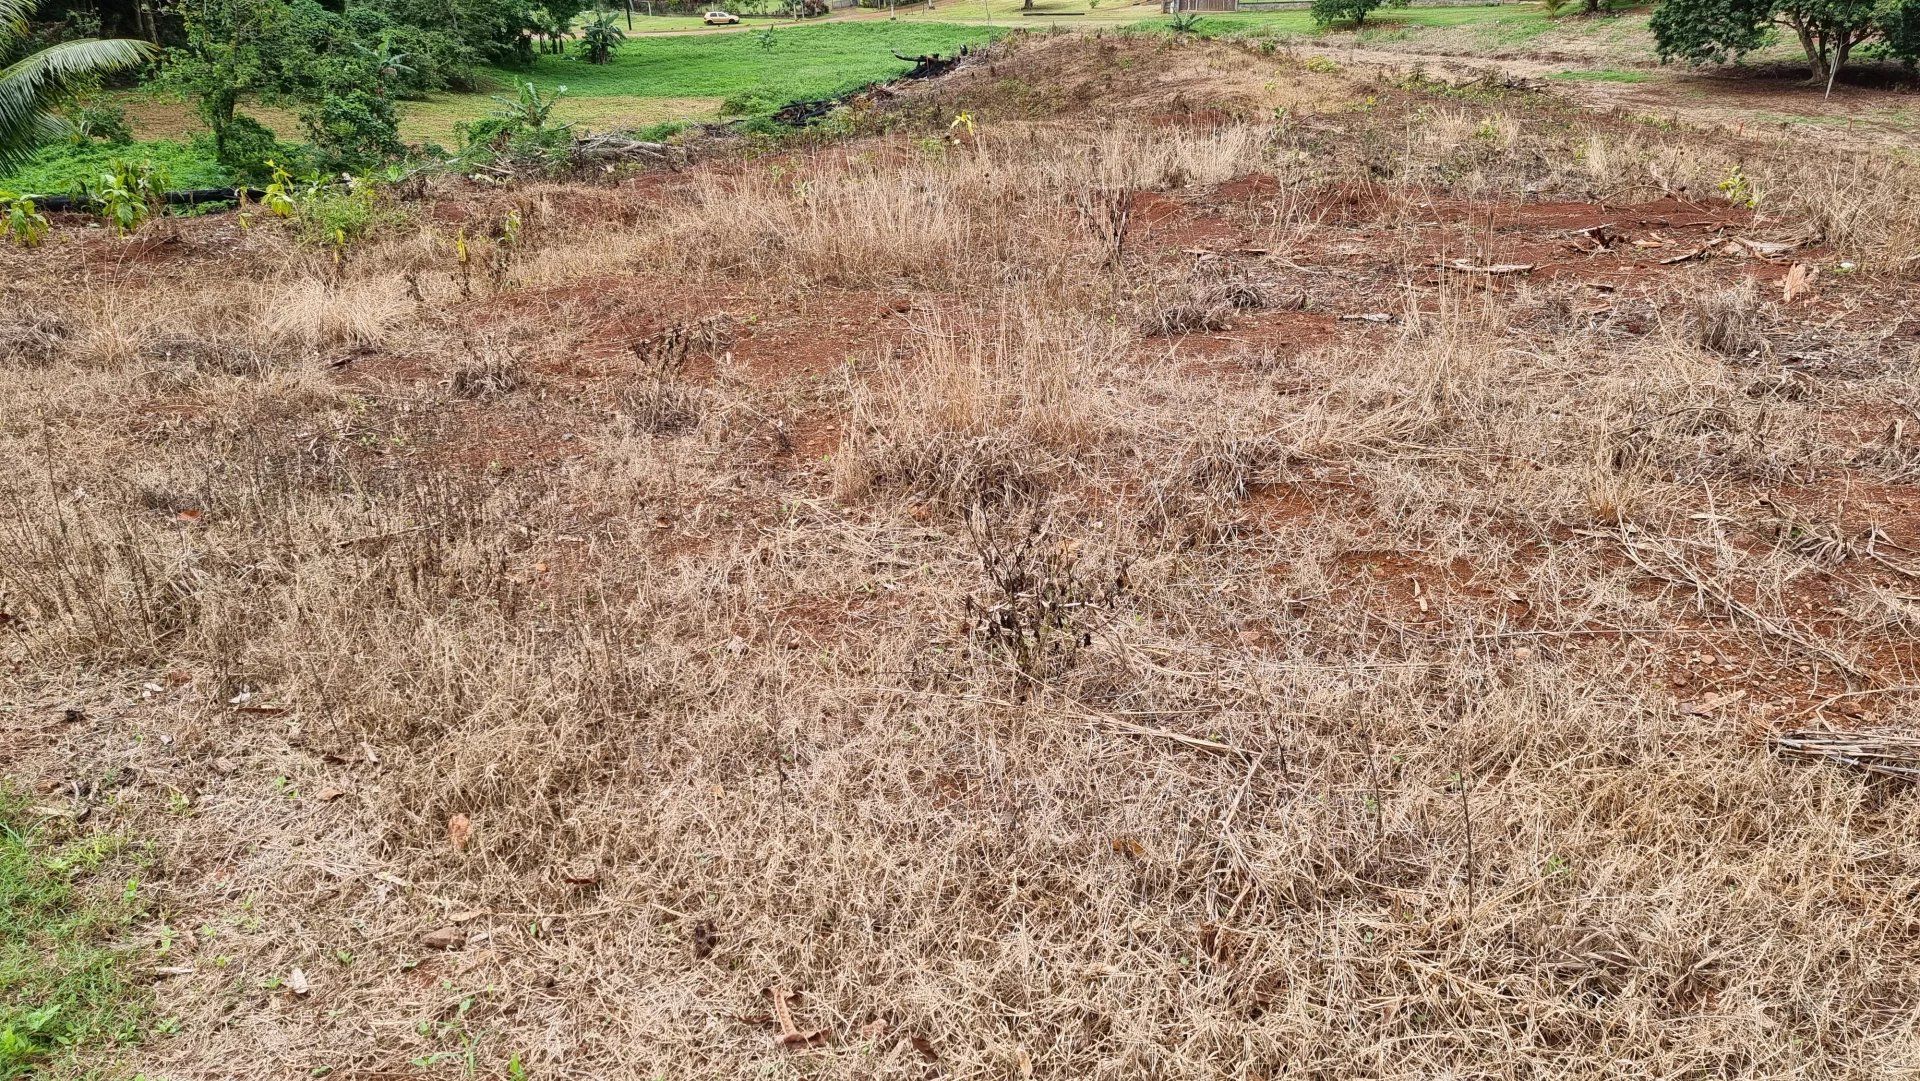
66	985
58	168
1602	75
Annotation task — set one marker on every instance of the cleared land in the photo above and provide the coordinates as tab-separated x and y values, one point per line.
1210	568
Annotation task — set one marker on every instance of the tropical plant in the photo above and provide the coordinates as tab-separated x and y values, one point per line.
519	130
394	67
127	196
599	38
1184	24
279	195
23	223
34	85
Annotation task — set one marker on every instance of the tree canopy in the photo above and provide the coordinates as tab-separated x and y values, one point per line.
1829	31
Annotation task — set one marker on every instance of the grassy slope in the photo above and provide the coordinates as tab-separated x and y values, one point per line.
804	62
1505	24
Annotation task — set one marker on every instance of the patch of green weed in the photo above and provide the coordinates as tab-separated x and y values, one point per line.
1602	75
59	168
64	982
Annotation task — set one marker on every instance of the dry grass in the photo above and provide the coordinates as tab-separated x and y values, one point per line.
831	614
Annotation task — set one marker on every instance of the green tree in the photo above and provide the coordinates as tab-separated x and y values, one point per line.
1328	12
497	31
245	49
600	37
1719	31
32	86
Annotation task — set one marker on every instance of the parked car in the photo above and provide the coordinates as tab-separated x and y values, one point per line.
721	18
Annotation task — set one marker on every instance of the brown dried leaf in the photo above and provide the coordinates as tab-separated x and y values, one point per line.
297	983
791	1035
444	938
329	794
1798	282
460	832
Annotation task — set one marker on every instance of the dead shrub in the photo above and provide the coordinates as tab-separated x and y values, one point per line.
487	373
1730	321
660	400
1044	597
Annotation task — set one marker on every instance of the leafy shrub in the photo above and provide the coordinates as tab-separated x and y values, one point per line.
127	195
23	222
519	130
326	213
246	144
99	121
1328	12
750	103
352	130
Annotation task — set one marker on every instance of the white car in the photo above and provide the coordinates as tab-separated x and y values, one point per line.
721	18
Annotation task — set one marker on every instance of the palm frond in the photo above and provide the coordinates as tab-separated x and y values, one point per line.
30	86
13	17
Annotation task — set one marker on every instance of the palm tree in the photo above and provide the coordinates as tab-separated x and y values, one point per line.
31	86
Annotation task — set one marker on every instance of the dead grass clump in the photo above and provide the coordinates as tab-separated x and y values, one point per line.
314	314
1865	205
1215	291
34	340
201	356
1200	501
487	373
1731	321
979	414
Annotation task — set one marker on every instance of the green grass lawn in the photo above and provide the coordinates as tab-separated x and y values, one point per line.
64	986
1495	23
782	62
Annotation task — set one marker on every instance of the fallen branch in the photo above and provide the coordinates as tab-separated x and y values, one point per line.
614	146
1885	753
1495	269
